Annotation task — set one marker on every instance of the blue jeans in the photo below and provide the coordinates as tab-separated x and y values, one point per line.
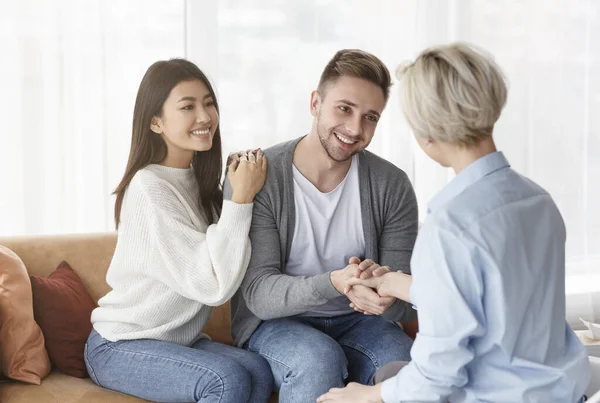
308	356
166	372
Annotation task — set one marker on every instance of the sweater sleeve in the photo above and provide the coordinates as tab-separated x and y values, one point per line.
206	267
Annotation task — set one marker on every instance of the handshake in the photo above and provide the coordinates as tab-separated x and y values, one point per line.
371	288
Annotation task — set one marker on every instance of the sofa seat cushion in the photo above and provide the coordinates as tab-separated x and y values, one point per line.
61	388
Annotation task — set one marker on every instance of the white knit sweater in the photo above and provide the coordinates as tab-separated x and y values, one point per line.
169	268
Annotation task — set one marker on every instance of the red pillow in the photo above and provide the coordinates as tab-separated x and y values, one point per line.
62	308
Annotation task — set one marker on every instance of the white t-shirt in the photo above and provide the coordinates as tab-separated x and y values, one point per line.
327	233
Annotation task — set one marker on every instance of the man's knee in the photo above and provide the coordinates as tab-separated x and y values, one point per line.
402	346
311	370
304	360
322	359
391	344
231	384
261	371
312	361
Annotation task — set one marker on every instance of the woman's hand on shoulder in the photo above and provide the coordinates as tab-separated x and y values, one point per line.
247	172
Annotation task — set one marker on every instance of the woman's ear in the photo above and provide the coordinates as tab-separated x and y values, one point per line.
156	125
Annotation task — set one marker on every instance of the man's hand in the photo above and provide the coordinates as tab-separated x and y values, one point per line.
377	283
363	299
389	284
366	300
339	277
366	270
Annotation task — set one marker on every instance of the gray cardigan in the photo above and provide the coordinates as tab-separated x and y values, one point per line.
390	221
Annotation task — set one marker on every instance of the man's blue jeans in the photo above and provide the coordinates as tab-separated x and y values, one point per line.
166	372
308	356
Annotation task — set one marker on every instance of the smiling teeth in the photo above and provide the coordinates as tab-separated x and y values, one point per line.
344	139
200	132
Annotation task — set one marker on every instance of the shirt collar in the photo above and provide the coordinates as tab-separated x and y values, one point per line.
471	174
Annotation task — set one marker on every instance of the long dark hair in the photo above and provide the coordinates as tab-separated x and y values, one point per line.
149	148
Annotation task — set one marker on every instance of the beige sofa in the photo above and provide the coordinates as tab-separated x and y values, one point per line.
89	255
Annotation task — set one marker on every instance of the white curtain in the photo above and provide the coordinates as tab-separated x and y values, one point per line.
70	70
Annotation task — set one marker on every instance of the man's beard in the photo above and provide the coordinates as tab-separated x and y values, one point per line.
325	136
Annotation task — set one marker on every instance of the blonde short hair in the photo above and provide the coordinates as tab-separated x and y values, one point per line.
452	93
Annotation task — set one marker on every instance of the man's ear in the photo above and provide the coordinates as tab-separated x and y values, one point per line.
315	102
156	125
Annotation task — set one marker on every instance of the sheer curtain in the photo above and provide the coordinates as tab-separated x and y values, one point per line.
70	71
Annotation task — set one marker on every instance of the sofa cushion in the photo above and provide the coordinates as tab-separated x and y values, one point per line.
61	388
62	308
22	353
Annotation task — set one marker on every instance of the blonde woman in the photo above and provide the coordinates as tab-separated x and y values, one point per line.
489	262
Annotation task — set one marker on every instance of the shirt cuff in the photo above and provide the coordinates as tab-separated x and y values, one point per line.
235	219
322	285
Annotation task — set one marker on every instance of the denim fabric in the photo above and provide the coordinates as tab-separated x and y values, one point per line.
308	356
166	372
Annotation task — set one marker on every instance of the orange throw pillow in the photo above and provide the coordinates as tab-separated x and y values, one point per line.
63	309
23	356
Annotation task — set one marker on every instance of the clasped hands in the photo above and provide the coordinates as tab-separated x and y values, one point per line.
363	283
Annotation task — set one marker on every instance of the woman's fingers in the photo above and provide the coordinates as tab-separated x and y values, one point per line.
233	165
264	162
352	281
368	272
380	271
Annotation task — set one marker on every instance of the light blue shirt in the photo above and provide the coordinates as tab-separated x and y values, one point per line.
489	285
